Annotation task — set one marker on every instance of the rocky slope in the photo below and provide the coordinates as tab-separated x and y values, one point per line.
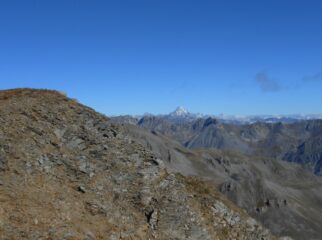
283	196
66	172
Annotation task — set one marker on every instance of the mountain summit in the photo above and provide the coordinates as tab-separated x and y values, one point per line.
180	112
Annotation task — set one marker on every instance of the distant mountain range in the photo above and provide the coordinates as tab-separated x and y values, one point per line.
272	169
295	138
181	114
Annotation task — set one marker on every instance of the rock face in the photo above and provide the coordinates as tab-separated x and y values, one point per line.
307	153
66	172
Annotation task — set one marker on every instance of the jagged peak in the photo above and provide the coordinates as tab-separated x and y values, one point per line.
180	111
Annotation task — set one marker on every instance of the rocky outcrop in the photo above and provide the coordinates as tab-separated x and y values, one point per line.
308	154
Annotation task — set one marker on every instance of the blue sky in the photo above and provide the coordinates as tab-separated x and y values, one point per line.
233	57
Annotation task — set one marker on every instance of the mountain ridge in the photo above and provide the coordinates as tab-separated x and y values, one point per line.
68	172
295	142
182	114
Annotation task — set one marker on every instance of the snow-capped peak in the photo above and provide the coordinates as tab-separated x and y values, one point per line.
179	112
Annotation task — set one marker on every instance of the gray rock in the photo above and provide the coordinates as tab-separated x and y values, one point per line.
90	236
59	133
76	143
81	189
3	163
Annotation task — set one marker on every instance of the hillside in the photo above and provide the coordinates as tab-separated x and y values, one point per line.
67	172
283	196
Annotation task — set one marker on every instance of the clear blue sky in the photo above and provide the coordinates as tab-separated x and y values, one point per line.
126	56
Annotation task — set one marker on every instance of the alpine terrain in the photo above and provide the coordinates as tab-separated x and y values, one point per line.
68	172
272	170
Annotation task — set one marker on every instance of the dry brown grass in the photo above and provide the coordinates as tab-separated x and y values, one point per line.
6	94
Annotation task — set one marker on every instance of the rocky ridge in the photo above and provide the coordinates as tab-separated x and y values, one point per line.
298	142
